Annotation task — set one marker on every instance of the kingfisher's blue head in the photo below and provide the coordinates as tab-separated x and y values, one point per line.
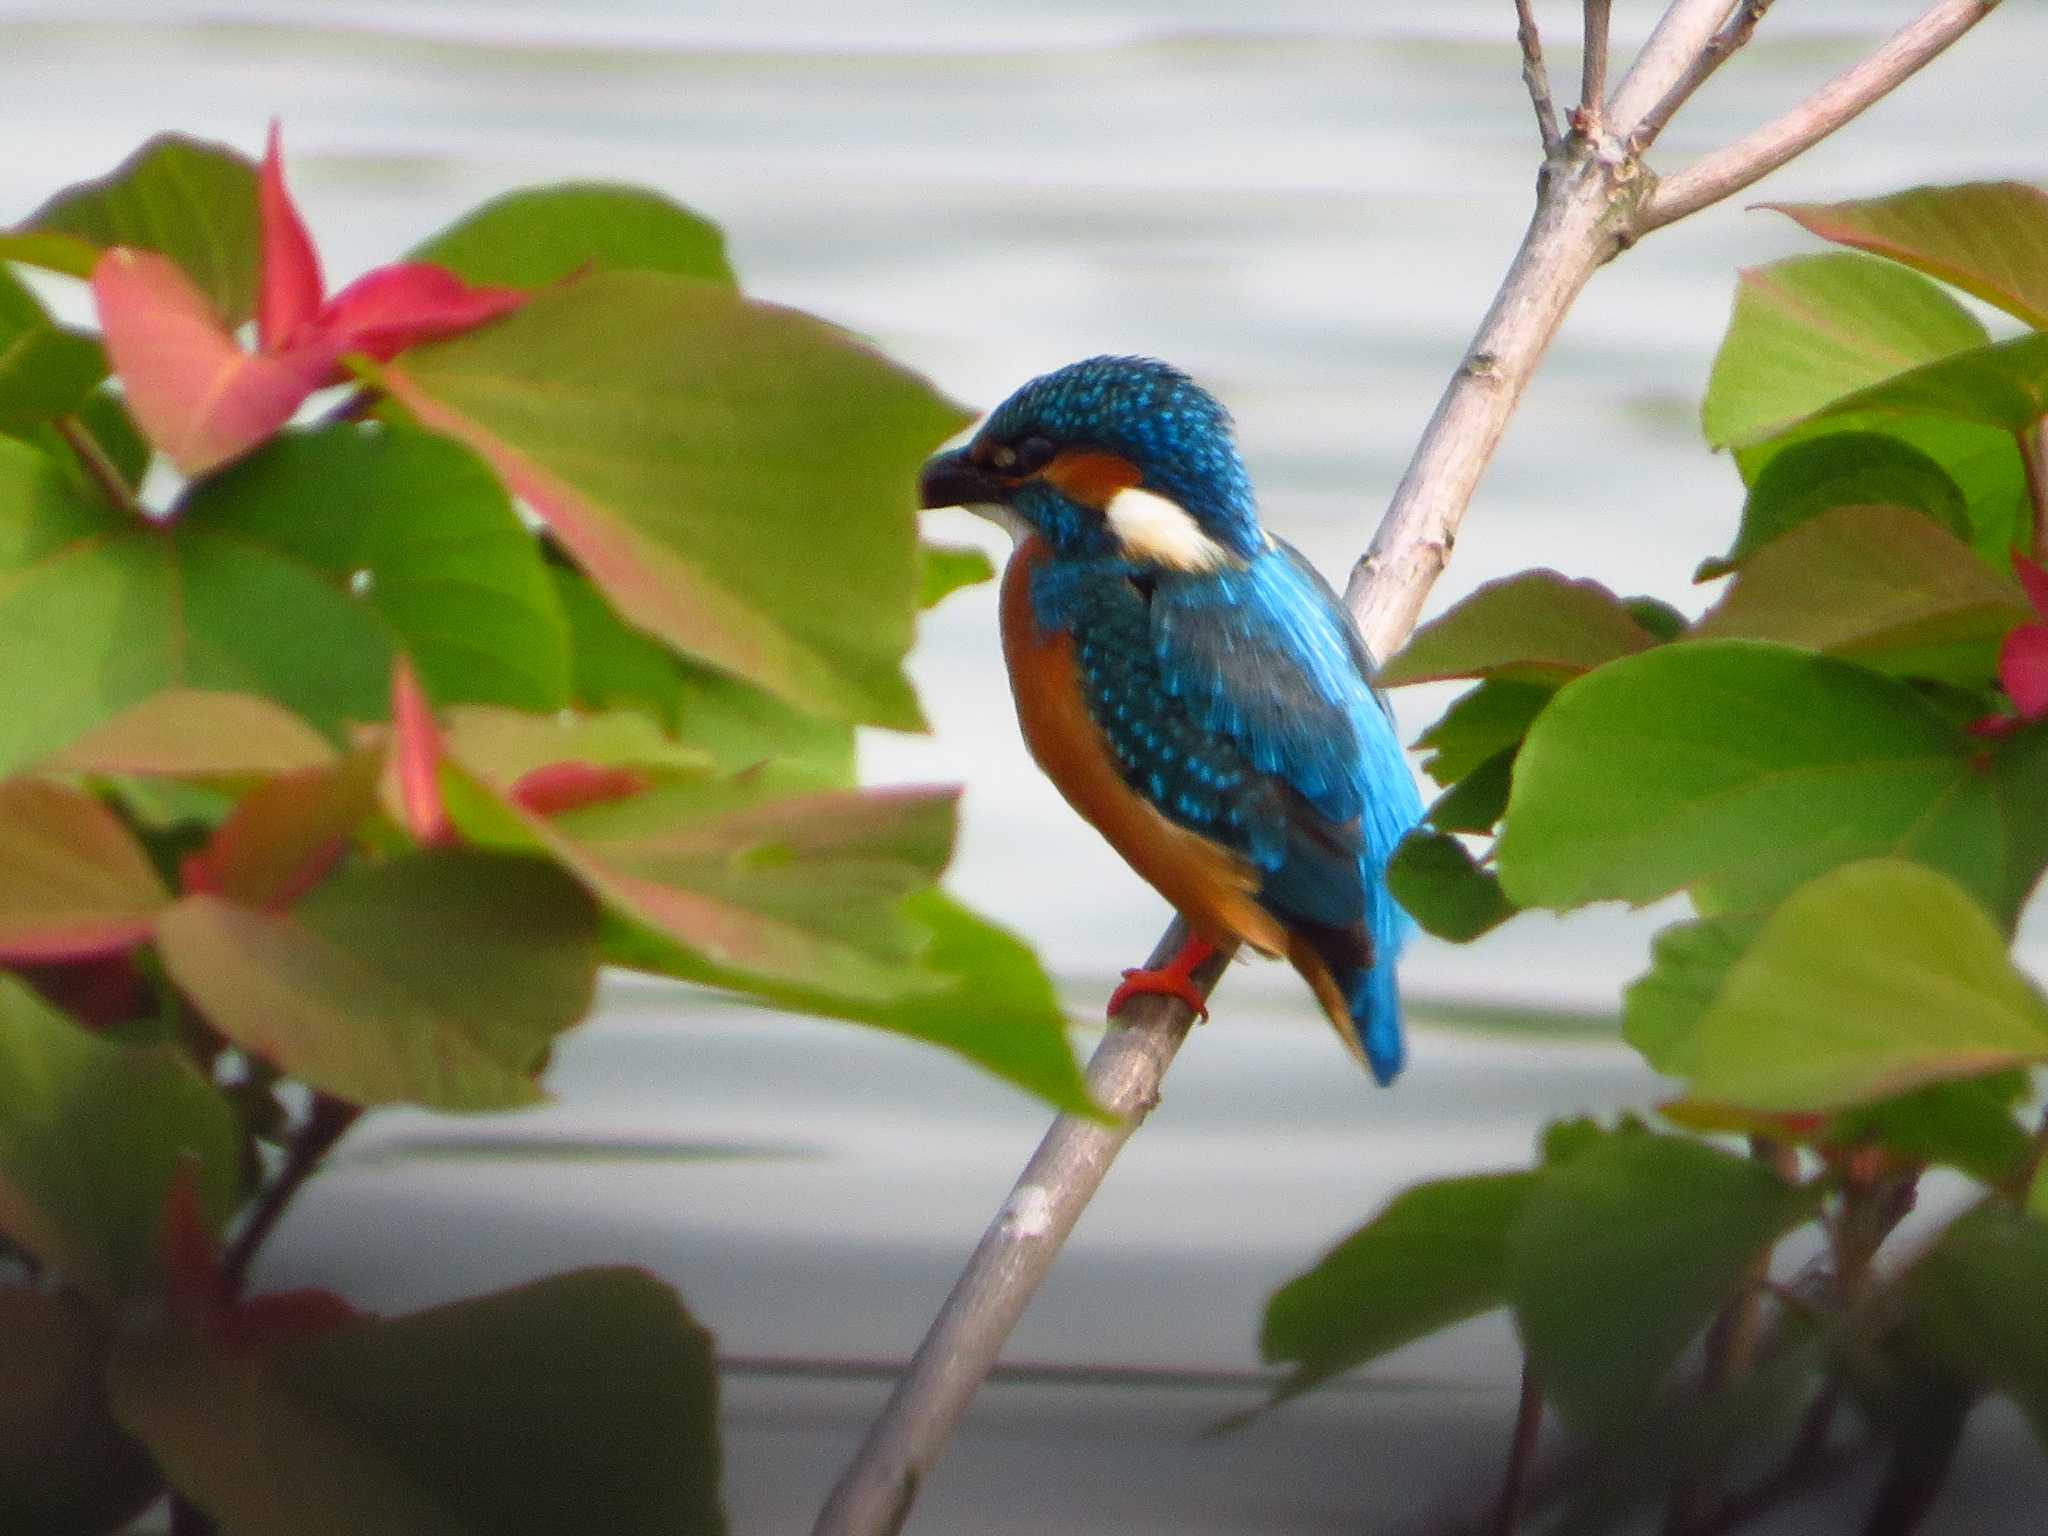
1112	456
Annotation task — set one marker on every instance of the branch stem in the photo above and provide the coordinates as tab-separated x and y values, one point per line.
1756	155
1593	63
1536	76
325	1125
99	467
1507	1513
2033	445
875	1494
1721	47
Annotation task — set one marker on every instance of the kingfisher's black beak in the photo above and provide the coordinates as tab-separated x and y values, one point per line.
952	479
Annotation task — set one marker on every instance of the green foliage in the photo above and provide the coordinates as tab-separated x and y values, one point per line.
724	547
191	201
1435	1256
1622	1254
585	1397
93	1134
332	782
1843	766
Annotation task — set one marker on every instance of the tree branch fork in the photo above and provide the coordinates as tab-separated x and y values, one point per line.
1596	197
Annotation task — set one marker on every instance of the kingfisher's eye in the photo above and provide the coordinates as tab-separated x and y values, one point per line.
1032	455
1003	456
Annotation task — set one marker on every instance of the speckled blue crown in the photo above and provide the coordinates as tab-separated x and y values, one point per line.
1175	432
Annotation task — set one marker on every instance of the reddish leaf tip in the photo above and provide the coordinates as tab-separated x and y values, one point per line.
291	286
195	1285
416	751
557	787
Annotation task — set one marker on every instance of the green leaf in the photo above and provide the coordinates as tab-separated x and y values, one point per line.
91	1134
2003	385
1984	463
1435	1256
735	723
101	611
66	1469
754	507
756	874
1841	469
1689	962
1475	802
73	882
1738	770
989	1000
946	568
1873	979
45	370
287	833
1480	724
184	733
1622	1254
1533	627
584	1401
540	235
1988	238
191	201
103	415
1808	330
417	529
434	978
1882	585
1974	1302
1435	879
1966	1125
506	745
2019	781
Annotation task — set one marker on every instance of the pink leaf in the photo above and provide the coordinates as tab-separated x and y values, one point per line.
2023	669
292	288
385	311
416	754
197	396
2035	580
557	787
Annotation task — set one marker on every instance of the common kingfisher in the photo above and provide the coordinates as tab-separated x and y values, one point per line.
1191	684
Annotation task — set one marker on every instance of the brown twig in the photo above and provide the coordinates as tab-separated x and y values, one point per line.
1507	1513
1593	68
1721	47
98	466
1756	155
1536	76
325	1124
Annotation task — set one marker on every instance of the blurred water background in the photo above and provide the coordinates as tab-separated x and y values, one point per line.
1305	202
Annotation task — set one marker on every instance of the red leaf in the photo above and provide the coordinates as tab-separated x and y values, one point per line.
2035	580
385	311
557	787
197	396
99	992
195	1285
416	753
264	1322
2023	669
292	288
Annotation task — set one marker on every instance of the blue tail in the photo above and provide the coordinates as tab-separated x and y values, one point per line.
1375	998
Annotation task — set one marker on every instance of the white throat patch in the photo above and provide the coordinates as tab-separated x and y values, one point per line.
1160	530
1003	518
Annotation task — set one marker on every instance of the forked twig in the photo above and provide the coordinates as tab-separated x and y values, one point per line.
1536	76
1721	47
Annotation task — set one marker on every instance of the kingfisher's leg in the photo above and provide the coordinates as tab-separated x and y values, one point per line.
1173	979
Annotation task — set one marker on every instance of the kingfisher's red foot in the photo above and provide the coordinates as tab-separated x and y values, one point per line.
1174	979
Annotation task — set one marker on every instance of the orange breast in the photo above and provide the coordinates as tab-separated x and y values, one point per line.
1212	887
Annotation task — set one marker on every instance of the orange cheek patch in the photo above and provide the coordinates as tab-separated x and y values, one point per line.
1090	476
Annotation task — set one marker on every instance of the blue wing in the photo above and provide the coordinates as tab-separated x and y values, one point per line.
1239	703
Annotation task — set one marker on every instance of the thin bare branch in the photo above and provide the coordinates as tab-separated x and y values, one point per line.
1507	1512
1756	155
1593	66
1015	1254
1721	47
1672	48
1536	76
